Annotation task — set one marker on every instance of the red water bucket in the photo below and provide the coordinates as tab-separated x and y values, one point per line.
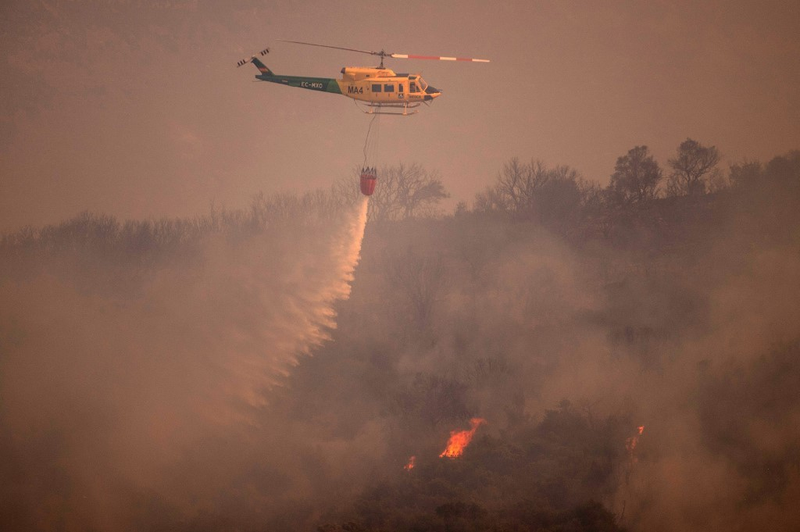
368	183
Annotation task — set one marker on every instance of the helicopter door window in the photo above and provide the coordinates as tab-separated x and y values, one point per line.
376	87
413	87
388	88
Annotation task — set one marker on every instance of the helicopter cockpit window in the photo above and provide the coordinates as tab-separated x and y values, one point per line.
376	87
388	87
422	84
412	87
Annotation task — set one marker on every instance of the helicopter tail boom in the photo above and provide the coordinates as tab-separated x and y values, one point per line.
303	82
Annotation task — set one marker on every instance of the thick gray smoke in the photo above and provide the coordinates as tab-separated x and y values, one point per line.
178	395
109	395
690	330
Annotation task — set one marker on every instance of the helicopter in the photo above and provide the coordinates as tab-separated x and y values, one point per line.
379	89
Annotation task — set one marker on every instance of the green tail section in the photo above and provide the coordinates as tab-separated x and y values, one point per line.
262	67
301	82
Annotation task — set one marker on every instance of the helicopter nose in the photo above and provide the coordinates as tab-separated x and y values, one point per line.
431	93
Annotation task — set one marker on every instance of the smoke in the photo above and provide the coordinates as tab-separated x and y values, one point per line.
723	451
691	331
698	348
191	399
112	396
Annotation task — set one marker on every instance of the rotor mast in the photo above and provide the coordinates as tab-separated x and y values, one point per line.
382	54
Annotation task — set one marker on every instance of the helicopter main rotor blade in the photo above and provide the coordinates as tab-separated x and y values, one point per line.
370	52
393	56
437	58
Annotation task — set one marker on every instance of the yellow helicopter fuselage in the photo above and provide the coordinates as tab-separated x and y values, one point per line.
384	86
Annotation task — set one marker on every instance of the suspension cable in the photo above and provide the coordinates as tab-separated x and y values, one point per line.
366	141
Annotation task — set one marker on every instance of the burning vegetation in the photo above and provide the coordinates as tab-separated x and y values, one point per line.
630	443
218	373
460	439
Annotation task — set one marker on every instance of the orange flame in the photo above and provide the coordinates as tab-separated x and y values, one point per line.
460	439
630	443
410	465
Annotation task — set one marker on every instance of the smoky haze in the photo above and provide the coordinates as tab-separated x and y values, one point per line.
119	367
217	372
204	326
136	109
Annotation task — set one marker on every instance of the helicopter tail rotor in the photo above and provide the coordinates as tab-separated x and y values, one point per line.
254	59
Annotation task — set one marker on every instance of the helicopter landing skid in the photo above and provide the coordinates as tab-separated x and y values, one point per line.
378	109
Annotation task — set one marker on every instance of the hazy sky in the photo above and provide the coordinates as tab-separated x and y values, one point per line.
136	109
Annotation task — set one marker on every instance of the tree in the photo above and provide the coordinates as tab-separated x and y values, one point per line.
635	178
402	191
421	278
690	167
784	170
746	174
531	191
491	200
518	183
781	175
